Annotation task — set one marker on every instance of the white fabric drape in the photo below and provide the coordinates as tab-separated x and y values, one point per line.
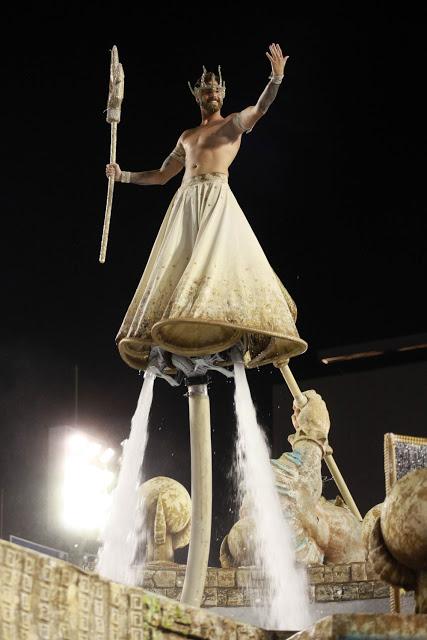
207	284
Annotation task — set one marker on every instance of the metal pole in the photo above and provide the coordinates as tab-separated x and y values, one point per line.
201	495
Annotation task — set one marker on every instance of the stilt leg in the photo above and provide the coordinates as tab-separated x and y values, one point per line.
201	494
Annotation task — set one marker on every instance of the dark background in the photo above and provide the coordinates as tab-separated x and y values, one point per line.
331	180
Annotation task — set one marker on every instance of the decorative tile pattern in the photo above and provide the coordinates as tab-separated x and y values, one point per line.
42	598
236	587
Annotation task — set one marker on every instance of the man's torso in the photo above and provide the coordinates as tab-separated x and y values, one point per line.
210	148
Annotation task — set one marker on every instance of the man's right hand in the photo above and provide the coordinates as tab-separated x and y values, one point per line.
113	171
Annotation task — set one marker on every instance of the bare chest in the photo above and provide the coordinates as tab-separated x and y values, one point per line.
208	137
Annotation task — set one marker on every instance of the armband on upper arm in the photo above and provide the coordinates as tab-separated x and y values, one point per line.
238	122
179	153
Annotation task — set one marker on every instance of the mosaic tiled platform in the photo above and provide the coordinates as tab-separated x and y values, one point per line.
43	598
239	587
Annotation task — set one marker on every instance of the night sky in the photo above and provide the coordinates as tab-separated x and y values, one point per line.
332	181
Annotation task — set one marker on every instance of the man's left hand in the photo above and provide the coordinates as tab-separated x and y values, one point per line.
277	59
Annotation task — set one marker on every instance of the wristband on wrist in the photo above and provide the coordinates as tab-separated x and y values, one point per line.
276	79
125	177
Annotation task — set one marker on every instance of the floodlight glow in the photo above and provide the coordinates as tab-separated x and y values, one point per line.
87	484
107	455
77	441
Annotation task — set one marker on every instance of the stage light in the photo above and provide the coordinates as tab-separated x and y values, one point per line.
85	480
107	455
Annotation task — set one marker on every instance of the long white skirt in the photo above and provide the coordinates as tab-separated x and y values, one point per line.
208	285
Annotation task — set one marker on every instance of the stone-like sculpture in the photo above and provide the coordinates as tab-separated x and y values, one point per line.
398	542
324	531
369	523
166	506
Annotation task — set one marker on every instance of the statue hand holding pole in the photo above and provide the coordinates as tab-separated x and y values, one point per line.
311	422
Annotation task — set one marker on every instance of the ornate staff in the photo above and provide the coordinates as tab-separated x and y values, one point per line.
115	97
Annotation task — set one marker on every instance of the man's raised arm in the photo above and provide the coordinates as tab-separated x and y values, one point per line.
246	119
173	164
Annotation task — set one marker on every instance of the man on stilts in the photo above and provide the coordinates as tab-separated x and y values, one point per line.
208	297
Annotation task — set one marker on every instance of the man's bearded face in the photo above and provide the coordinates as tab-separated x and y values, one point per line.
211	97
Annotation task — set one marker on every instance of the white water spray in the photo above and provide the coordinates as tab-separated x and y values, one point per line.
120	537
286	592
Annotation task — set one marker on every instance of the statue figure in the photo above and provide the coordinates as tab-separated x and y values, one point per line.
398	541
369	523
324	531
166	513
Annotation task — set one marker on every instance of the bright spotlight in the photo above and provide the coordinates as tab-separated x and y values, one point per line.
83	494
76	441
107	455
